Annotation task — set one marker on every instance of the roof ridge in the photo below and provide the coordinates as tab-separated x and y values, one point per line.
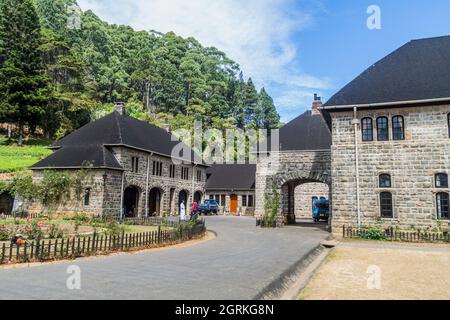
119	127
430	38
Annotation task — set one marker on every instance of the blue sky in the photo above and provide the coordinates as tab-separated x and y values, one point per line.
294	48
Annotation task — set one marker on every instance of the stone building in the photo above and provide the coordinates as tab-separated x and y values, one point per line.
299	169
391	140
134	170
381	144
233	187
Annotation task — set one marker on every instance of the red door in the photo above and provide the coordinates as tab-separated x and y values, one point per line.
234	204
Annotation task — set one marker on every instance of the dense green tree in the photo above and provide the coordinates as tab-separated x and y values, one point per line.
24	88
71	102
268	117
164	78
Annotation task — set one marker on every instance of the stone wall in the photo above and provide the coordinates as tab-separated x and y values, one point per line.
165	184
284	171
73	205
106	196
412	164
304	194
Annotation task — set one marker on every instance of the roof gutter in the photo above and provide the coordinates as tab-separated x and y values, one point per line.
385	104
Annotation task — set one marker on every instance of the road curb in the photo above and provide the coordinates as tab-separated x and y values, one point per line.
292	282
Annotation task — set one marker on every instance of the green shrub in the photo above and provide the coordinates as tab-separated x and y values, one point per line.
271	206
5	234
113	228
372	234
54	232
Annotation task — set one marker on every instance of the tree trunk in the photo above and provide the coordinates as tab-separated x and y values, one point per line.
20	139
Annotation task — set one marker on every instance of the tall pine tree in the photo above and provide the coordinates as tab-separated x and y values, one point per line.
268	115
24	89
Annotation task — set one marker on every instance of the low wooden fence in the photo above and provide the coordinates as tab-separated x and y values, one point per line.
152	221
75	247
392	234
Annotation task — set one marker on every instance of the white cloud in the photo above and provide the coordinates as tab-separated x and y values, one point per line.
258	34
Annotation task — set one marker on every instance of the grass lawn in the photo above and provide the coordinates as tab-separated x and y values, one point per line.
14	158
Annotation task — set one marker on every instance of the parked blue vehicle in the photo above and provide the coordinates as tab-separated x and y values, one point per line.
321	210
210	206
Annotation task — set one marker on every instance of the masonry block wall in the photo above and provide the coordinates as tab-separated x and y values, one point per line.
73	205
304	194
285	171
106	195
412	164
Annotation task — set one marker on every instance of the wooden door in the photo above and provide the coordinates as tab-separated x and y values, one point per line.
234	204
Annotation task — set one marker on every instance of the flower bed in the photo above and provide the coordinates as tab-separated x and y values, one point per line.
37	243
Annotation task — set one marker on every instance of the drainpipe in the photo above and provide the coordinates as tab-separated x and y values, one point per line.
193	181
121	195
147	184
355	125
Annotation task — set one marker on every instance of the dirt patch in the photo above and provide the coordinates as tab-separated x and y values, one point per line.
406	272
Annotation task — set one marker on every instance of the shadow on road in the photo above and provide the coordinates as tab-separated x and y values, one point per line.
309	223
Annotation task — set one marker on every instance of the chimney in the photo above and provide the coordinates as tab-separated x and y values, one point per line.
119	107
316	105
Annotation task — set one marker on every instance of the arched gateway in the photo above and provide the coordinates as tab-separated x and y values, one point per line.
304	158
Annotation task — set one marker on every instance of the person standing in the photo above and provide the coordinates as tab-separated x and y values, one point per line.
195	208
194	216
182	211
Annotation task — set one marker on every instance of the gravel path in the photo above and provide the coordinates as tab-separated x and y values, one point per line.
405	271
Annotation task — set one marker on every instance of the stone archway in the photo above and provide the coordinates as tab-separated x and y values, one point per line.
154	201
283	172
131	198
183	197
6	203
288	197
198	196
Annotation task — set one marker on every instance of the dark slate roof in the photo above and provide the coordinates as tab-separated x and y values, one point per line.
95	156
420	70
307	132
231	177
91	142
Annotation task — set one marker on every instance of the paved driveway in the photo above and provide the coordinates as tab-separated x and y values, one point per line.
238	264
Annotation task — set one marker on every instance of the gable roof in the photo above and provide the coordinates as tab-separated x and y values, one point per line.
231	177
74	157
418	71
307	132
90	143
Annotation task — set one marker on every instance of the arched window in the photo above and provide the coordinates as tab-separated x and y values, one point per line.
382	129
441	180
87	197
367	129
448	124
442	205
398	128
385	181
386	205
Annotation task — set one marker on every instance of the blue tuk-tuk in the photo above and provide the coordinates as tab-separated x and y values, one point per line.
321	210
